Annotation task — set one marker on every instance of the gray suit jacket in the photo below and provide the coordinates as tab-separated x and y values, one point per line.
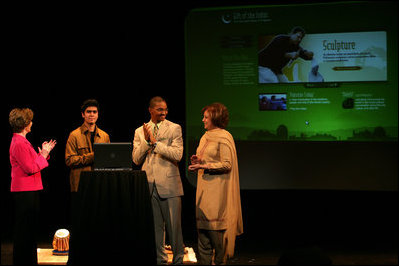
160	164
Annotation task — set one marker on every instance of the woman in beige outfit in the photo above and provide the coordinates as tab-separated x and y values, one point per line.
218	203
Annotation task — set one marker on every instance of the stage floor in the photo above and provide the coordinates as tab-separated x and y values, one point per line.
45	257
258	256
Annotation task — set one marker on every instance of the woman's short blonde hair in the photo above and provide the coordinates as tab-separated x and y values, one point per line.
20	118
218	113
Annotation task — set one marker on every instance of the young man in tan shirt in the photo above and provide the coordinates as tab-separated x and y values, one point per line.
79	155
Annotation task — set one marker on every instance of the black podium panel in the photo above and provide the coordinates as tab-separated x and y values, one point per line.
112	220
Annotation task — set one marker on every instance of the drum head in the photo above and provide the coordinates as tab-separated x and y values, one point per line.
62	233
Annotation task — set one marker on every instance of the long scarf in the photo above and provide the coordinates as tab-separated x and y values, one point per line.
234	214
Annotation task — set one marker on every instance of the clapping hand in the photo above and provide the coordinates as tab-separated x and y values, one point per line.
194	167
148	136
47	147
147	132
195	163
195	159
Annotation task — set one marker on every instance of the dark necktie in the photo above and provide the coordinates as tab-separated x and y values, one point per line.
155	131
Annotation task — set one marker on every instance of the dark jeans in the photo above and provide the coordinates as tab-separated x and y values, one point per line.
26	223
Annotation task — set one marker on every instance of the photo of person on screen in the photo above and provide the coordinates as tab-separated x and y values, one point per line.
273	102
280	52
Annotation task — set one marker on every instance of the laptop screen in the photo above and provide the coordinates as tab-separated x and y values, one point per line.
113	156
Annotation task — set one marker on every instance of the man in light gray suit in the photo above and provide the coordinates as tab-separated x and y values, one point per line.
158	145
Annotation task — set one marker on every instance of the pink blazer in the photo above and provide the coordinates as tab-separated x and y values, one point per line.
26	165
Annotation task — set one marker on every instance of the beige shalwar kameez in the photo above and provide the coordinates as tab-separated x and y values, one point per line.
218	203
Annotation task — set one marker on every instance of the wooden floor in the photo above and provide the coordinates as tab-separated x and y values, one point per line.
258	256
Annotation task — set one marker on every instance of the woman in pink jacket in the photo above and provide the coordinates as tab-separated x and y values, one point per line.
26	182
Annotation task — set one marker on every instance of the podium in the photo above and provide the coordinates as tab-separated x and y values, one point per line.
112	219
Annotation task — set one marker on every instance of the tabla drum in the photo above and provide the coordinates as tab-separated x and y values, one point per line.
61	242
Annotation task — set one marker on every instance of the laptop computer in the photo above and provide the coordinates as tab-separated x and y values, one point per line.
113	156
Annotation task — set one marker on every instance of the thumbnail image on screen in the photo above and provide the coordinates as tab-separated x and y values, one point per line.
272	102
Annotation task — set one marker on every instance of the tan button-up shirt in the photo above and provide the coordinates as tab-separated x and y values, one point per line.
79	155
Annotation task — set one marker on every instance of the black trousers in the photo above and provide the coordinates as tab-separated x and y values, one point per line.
26	224
210	246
